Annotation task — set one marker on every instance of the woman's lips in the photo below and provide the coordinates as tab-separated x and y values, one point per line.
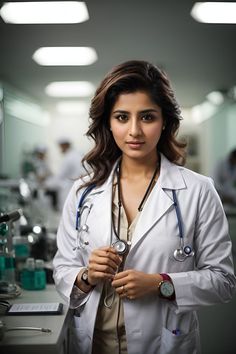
134	144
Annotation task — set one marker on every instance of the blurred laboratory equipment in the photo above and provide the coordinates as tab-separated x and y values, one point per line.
8	286
225	178
225	183
33	234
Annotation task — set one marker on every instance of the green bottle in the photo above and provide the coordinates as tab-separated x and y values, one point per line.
27	275
39	275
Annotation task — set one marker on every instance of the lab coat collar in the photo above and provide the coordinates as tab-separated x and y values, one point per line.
170	175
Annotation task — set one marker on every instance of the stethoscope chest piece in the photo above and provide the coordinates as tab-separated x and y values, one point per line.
121	247
188	251
180	254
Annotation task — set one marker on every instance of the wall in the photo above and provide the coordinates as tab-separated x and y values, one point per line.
24	125
217	136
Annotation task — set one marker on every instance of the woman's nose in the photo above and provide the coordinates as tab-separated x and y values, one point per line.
135	129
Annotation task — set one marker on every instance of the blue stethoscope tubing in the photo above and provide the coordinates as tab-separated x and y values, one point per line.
180	254
81	202
183	252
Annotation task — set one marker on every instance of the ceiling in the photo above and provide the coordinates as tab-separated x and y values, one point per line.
198	57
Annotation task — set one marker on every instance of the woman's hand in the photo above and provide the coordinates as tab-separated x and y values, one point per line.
103	265
134	284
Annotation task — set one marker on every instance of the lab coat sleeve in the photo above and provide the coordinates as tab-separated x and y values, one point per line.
68	262
213	280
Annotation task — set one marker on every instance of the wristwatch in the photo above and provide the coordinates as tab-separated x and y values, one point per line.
84	277
166	288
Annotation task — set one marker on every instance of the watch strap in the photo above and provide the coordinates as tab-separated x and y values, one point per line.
165	276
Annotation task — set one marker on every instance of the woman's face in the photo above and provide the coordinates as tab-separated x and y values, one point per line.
136	123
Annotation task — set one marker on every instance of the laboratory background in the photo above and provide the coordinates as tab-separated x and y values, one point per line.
51	62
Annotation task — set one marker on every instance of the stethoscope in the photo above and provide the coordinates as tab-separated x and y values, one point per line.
122	247
182	252
81	241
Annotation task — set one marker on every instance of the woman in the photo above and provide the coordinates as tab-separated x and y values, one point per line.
152	243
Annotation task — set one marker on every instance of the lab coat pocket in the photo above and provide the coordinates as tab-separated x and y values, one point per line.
178	343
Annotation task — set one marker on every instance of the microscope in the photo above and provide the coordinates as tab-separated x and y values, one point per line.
8	286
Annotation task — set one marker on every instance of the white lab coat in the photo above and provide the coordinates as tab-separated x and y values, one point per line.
206	279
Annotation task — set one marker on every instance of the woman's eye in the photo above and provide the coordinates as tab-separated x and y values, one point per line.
122	117
147	117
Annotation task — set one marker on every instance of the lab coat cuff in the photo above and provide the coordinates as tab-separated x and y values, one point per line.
183	289
65	284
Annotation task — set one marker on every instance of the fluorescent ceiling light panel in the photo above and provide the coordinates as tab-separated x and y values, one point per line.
44	12
70	89
214	12
59	56
72	107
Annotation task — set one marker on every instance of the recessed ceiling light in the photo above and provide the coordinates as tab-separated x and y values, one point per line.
203	111
216	97
44	12
70	89
214	12
72	107
55	56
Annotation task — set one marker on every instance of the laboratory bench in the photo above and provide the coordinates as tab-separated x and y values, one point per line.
28	341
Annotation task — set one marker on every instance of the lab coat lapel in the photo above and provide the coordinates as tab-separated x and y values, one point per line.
156	206
160	199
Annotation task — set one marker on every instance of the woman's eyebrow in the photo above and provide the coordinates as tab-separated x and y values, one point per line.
148	110
120	111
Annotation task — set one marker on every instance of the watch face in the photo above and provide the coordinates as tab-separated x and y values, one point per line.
166	289
85	276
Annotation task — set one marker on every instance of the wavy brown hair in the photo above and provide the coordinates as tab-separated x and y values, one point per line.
130	77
